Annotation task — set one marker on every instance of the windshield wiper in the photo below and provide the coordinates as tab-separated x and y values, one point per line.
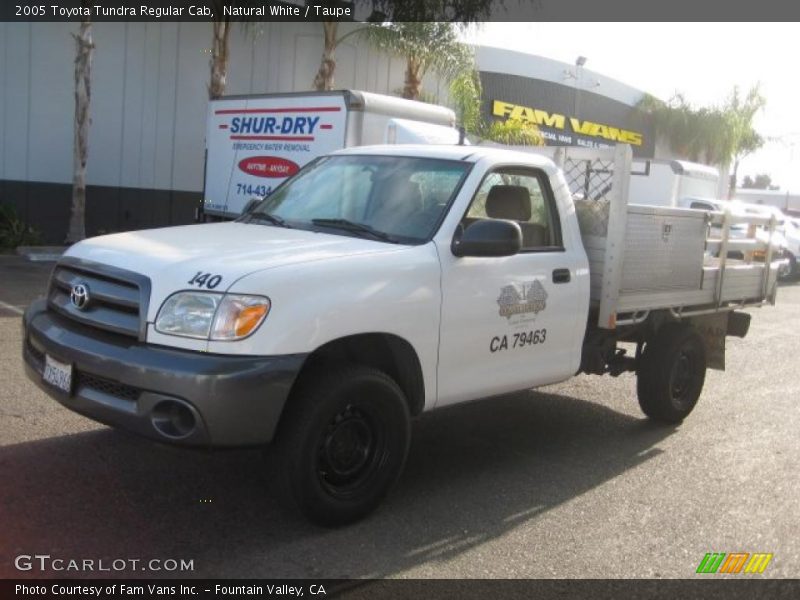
354	227
275	220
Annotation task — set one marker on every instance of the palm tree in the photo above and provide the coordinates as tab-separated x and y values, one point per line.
220	48
324	80
716	134
463	11
426	46
84	49
465	95
744	139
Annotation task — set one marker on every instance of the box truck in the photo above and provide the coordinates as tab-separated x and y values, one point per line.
253	143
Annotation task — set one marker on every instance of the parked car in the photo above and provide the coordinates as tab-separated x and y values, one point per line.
786	238
791	235
744	231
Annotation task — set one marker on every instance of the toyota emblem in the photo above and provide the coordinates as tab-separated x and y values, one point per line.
79	296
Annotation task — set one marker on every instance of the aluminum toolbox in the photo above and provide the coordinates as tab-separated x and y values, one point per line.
664	249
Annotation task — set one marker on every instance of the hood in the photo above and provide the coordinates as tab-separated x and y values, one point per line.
172	256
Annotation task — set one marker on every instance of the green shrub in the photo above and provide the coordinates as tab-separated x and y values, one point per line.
14	231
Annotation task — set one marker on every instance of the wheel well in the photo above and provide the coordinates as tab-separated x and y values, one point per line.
383	351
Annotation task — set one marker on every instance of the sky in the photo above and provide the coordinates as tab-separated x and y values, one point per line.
703	61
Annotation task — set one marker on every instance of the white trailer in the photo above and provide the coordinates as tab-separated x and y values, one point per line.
255	142
670	182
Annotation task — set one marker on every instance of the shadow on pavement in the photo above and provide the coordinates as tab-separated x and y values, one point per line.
475	472
25	280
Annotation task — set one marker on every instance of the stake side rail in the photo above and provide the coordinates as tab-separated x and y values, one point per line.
613	232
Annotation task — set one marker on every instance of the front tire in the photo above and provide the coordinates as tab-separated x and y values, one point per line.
342	443
671	373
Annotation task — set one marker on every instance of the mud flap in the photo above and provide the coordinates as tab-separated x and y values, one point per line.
713	328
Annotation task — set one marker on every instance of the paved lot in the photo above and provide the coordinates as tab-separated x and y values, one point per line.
569	481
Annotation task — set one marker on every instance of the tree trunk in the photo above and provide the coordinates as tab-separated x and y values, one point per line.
732	184
323	81
413	83
84	48
219	59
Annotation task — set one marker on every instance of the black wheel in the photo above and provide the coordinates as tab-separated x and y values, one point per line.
342	443
671	373
788	271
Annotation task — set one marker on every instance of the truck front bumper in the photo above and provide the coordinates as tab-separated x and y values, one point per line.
170	395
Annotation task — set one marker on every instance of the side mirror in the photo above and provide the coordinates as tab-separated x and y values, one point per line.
489	237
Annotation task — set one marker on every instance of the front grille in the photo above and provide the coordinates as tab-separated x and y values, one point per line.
106	386
117	299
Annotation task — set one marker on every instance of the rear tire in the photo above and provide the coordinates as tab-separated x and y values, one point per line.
342	443
671	373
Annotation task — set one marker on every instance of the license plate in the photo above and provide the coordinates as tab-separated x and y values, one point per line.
57	374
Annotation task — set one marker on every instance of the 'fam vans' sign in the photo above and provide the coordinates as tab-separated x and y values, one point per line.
559	121
567	116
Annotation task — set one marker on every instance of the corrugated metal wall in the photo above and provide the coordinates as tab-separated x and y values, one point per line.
149	94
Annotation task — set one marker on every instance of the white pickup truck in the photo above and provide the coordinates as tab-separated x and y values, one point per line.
379	283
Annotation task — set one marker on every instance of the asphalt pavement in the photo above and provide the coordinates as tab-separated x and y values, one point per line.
567	481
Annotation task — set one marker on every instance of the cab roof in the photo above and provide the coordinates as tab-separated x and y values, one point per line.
452	152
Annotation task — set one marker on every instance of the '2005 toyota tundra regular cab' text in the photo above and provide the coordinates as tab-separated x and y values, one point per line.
381	282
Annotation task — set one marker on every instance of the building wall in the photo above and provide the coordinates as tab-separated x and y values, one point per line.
500	60
148	111
149	102
788	203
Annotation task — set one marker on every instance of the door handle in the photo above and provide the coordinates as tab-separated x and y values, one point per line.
561	276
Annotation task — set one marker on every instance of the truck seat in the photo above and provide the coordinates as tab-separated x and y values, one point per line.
402	201
513	202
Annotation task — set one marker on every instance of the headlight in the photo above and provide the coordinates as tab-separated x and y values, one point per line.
208	316
189	314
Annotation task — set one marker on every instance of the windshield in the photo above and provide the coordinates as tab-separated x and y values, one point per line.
388	198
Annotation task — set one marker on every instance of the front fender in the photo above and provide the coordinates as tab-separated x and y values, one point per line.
396	292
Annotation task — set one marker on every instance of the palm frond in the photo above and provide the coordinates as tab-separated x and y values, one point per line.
716	134
434	46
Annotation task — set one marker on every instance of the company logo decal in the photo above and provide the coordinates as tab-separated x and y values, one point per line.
523	298
734	562
543	118
299	124
272	125
79	296
268	166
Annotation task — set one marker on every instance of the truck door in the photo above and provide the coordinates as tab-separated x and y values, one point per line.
509	323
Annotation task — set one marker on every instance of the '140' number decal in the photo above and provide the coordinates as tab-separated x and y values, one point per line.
207	280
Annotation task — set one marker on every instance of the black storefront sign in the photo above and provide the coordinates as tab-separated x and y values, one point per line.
567	115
